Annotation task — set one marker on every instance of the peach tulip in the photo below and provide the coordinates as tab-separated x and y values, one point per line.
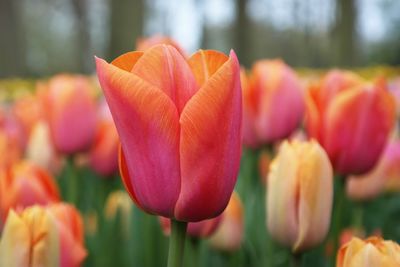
351	119
373	251
104	151
273	103
179	123
43	237
202	229
71	111
229	234
70	230
371	184
145	43
300	195
24	184
27	111
30	239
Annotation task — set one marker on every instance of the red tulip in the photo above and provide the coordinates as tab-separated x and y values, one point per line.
104	151
71	111
179	123
351	120
273	103
23	185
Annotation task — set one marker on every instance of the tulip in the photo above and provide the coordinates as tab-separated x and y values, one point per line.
229	234
299	195
371	184
273	103
143	44
351	120
43	237
70	230
30	239
27	111
71	112
264	161
202	229
25	184
373	251
176	119
40	150
119	202
104	151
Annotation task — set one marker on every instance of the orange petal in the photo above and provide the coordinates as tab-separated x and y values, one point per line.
148	126
165	68
127	60
210	145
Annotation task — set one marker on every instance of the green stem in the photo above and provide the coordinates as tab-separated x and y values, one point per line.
296	260
337	220
195	242
72	191
176	243
358	216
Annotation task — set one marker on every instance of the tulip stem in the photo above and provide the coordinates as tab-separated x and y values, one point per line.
296	260
176	243
72	181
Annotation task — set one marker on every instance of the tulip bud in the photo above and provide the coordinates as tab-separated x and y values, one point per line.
143	44
299	195
344	114
30	239
229	234
371	184
119	201
71	111
373	251
25	184
271	88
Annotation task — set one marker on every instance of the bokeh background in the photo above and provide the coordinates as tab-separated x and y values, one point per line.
43	37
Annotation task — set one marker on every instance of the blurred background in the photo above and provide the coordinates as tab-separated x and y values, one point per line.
44	37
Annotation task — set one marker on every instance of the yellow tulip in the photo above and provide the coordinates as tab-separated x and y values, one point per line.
300	194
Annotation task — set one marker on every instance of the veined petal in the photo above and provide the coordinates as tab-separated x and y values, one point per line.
148	125
165	68
128	60
210	145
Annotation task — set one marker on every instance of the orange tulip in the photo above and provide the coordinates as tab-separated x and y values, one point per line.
351	120
24	184
70	230
30	239
43	237
202	229
299	195
71	111
176	118
229	234
273	103
143	44
373	251
371	184
104	151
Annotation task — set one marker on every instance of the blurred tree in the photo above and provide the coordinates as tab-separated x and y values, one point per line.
241	28
12	46
127	18
345	33
83	53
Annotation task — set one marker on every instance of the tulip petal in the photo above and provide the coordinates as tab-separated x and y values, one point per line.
315	197
210	145
148	126
127	60
205	63
165	68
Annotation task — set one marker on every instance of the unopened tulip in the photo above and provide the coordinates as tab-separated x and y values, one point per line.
351	119
373	251
229	234
273	103
371	184
202	229
28	111
104	151
25	184
299	197
176	119
119	202
143	44
70	231
71	111
30	239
